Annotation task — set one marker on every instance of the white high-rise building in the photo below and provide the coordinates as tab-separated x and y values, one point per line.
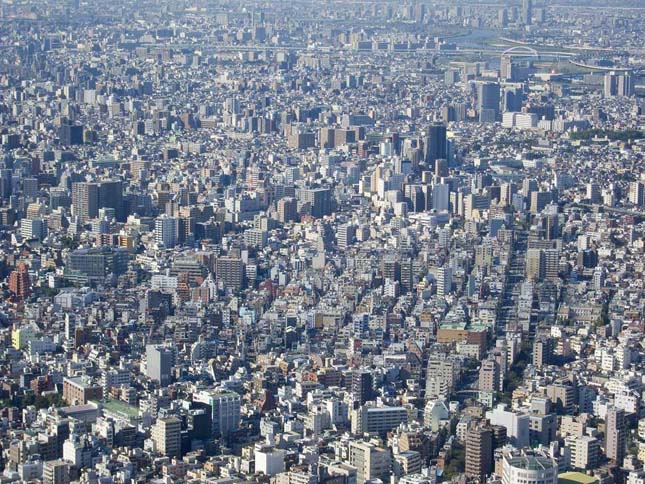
166	231
444	281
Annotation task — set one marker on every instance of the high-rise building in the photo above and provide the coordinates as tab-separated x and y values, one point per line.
441	197
370	461
287	209
166	436
70	134
585	451
362	387
488	97
166	231
535	264
615	434
19	283
444	281
637	193
111	196
542	351
479	452
159	363
489	376
618	84
345	235
85	200
33	228
436	144
230	272
377	419
527	12
224	409
441	376
318	199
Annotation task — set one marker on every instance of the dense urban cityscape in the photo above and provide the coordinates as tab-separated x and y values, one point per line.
322	242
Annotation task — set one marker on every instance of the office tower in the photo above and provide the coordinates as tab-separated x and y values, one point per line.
488	101
529	185
440	167
444	281
159	363
551	227
415	198
625	85
33	228
474	204
111	196
85	200
19	283
435	144
527	12
490	379
441	197
166	231
593	192
287	209
230	272
539	200
224	409
479	453
70	134
166	436
371	462
451	77
6	184
92	265
362	387
345	235
637	193
542	351
615	434
502	17
618	84
318	200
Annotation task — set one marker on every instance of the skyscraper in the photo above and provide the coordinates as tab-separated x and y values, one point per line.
488	101
436	144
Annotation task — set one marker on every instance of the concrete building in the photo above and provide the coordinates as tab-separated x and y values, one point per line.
166	436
